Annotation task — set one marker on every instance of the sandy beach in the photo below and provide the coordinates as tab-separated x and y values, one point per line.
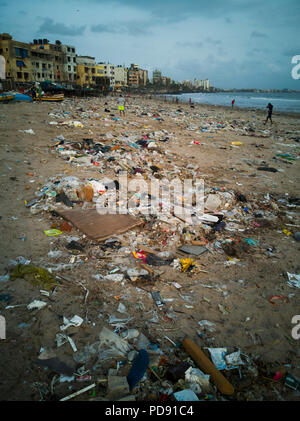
240	283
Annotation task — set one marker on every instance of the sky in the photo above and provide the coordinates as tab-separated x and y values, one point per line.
233	43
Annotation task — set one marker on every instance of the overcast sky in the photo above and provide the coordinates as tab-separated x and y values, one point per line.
233	43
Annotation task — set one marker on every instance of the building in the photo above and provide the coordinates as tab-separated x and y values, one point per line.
17	57
156	77
204	84
133	76
120	77
48	61
70	69
109	71
90	74
86	71
143	77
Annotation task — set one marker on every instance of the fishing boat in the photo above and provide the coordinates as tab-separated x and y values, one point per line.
53	98
4	98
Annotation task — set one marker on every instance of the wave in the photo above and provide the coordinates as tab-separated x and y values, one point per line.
274	99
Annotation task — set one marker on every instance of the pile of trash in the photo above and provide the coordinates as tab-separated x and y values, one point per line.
118	254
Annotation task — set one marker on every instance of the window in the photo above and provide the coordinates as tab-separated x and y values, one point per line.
69	68
86	69
68	49
20	52
19	75
20	63
37	65
43	74
49	66
74	59
39	75
69	59
73	50
26	75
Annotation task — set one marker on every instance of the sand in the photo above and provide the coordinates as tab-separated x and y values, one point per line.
239	302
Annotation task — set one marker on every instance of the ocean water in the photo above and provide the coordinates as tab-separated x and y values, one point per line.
282	101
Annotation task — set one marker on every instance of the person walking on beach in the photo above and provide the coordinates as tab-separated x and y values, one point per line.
270	108
232	103
121	103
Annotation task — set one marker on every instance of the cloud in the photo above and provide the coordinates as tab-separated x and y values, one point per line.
189	44
51	27
104	28
213	41
130	28
257	34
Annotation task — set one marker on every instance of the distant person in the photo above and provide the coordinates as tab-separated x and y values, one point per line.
190	100
270	110
232	103
121	103
40	93
33	92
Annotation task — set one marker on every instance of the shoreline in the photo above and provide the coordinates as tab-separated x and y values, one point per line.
260	111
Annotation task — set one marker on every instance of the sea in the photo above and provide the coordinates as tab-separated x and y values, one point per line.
281	101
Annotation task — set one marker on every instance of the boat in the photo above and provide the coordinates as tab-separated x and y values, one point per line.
4	98
53	98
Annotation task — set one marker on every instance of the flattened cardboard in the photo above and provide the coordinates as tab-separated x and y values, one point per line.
100	227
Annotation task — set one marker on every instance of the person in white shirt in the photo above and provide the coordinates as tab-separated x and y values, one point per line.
121	104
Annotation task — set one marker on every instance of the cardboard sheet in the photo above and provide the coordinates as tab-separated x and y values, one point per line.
100	227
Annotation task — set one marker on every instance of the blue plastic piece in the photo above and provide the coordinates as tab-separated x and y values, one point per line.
138	369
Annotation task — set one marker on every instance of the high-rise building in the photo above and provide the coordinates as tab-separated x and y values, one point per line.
156	76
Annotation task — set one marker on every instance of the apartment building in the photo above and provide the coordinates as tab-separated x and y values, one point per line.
120	77
70	69
109	71
143	77
48	61
133	76
156	76
17	57
86	71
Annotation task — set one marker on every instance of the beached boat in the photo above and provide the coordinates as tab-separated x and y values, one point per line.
6	97
53	98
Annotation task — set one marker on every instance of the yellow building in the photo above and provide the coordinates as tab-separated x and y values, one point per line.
86	71
17	57
90	74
